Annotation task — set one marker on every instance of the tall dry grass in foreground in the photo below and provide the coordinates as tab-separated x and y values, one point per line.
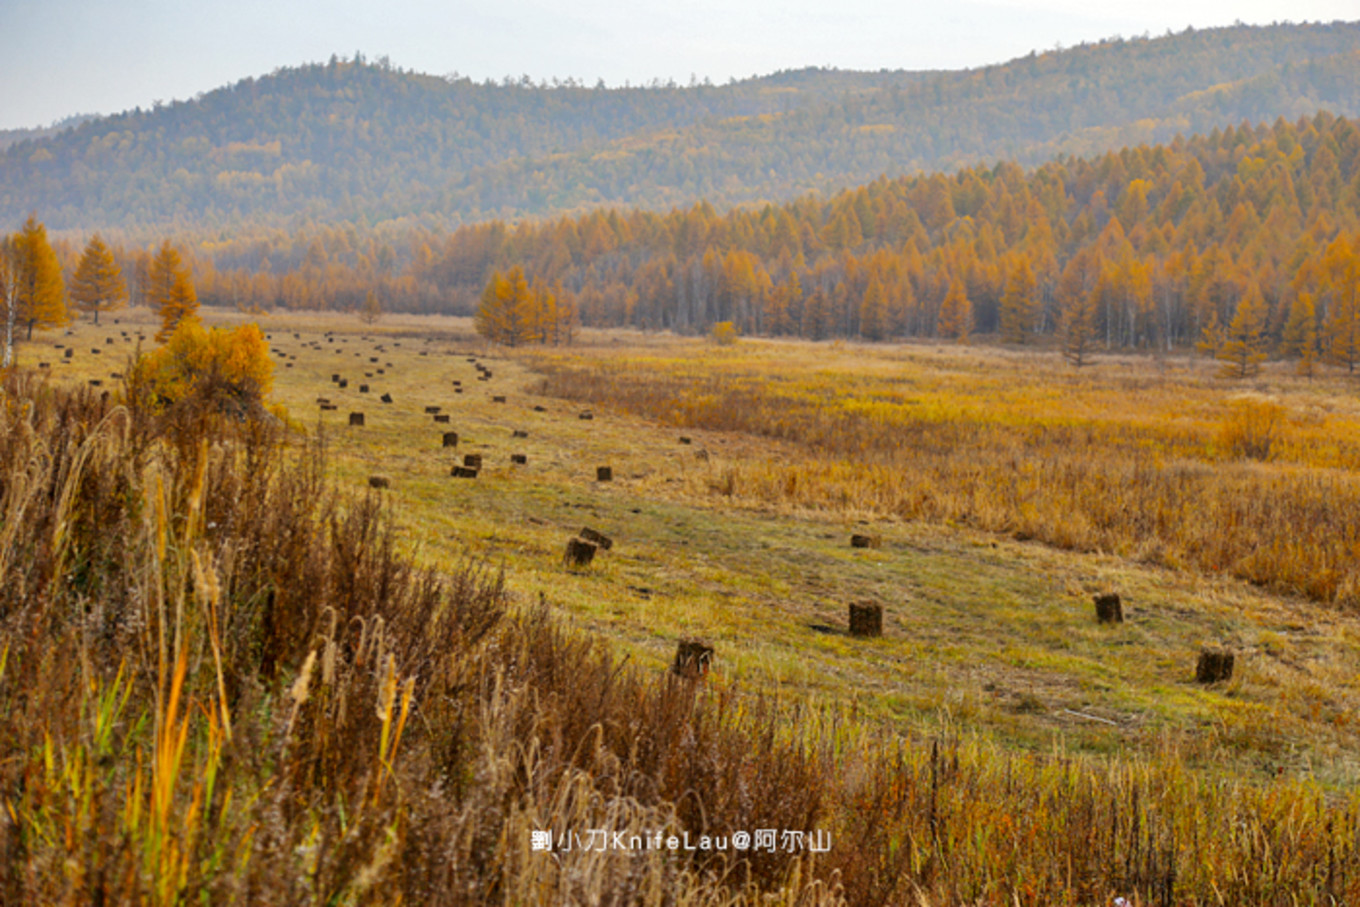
1158	470
220	682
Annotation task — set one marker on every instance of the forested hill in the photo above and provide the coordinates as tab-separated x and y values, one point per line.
355	141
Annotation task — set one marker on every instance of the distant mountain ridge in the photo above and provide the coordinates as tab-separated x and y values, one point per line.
349	140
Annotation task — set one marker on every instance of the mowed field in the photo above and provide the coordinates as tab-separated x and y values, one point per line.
989	628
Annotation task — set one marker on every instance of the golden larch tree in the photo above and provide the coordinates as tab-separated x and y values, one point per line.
33	292
1244	348
1339	282
956	313
505	314
372	309
170	290
873	312
1300	339
1018	302
98	284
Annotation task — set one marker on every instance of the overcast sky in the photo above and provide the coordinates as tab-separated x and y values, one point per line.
61	57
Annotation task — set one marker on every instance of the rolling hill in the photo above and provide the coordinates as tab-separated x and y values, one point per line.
355	141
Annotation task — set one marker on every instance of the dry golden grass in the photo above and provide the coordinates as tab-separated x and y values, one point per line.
954	761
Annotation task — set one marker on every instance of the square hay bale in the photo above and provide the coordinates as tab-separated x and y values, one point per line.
519	433
587	415
1214	665
519	459
386	398
431	410
604	473
378	482
497	399
865	541
356	419
473	460
579	553
442	417
450	439
866	619
1109	609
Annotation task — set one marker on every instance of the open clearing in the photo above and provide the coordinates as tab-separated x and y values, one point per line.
982	632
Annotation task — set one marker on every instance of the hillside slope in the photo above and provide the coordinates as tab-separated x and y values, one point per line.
353	141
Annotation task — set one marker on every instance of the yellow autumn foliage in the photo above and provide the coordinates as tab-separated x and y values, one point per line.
225	370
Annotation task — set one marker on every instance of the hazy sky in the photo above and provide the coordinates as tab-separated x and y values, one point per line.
60	57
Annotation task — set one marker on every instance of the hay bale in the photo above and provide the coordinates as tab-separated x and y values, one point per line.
457	390
579	553
866	619
464	472
378	482
344	382
457	384
473	460
1109	609
95	382
322	401
519	459
431	410
442	417
386	398
599	538
587	415
44	365
96	350
519	433
604	474
693	657
327	407
335	379
68	354
1214	665
450	439
108	340
356	419
497	399
865	541
685	440
540	409
373	359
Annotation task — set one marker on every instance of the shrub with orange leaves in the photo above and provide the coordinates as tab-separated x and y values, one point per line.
212	370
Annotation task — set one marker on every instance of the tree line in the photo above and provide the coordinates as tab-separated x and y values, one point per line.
1243	241
35	293
1246	236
